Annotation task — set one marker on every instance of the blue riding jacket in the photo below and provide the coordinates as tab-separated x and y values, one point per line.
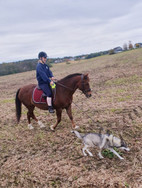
43	75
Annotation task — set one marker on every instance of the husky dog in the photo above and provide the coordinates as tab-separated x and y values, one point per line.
103	141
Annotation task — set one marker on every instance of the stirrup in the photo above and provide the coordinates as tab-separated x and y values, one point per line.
51	109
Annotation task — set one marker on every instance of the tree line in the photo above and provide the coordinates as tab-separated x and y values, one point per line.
19	66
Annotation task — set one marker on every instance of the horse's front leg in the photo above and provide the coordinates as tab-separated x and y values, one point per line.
59	114
69	112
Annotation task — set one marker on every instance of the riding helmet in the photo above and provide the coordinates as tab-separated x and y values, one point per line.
42	54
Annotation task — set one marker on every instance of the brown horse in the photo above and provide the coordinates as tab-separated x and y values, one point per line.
65	89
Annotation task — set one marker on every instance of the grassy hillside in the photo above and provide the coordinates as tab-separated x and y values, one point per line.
42	158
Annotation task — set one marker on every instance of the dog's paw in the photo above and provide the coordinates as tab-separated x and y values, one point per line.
100	156
121	158
85	154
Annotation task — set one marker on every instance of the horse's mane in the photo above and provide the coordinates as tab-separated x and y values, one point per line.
70	76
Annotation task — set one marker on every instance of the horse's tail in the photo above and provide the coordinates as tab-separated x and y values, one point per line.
18	106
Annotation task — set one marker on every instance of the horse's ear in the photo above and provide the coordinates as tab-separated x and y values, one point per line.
86	76
108	132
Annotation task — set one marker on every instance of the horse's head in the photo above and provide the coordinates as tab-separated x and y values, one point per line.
84	85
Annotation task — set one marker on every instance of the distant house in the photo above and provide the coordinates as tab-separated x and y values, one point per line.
58	61
83	57
71	59
117	50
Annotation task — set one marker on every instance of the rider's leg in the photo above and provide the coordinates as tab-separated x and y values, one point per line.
49	101
47	90
50	107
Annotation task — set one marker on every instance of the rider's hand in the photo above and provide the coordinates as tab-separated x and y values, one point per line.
51	83
54	79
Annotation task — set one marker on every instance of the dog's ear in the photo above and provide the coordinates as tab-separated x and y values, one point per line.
123	143
120	136
108	132
100	131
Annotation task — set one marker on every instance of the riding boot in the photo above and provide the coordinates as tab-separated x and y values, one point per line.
50	107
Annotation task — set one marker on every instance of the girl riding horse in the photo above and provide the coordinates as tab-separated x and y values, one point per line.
45	79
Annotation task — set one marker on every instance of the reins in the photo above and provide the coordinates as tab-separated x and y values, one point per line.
83	112
63	86
75	103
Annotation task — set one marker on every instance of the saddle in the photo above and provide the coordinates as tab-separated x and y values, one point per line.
39	97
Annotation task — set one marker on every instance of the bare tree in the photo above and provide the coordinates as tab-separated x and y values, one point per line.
130	45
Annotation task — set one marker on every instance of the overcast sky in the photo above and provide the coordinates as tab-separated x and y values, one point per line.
66	27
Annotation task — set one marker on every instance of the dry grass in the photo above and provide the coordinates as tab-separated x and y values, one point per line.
41	158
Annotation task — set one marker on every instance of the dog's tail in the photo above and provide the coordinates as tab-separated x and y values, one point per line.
77	134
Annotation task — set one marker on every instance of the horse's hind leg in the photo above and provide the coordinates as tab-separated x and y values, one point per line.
31	114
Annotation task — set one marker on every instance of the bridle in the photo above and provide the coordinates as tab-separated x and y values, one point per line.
82	85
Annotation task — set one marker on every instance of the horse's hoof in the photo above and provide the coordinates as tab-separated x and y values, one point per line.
76	127
30	126
52	127
41	124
